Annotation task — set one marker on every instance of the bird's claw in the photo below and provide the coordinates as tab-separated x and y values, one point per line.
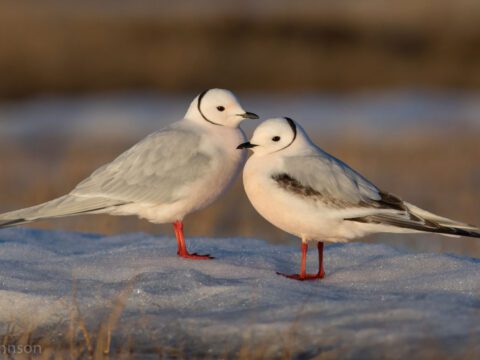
301	277
195	256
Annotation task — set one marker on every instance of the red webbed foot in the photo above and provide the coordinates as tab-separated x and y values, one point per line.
195	256
303	277
303	267
182	246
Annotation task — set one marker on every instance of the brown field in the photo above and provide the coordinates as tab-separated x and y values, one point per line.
438	171
64	46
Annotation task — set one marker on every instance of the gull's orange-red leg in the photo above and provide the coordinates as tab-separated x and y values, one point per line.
321	271
303	265
182	246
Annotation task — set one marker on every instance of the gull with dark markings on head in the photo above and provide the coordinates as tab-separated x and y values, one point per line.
306	192
166	176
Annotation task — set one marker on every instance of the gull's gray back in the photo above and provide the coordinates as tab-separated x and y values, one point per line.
330	178
153	171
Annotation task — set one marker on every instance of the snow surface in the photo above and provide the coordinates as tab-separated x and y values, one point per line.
374	300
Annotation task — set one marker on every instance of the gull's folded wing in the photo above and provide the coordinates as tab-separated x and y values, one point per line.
323	178
155	170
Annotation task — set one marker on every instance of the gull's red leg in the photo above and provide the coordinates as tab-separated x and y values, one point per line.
321	272
182	246
178	228
303	265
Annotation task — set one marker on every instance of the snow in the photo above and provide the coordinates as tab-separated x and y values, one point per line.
374	299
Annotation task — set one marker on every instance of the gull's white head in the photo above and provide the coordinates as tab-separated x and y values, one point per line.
218	107
277	134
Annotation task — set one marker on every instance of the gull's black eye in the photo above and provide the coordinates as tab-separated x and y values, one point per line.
220	108
276	138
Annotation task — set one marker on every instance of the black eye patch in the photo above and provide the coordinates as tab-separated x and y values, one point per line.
276	138
220	108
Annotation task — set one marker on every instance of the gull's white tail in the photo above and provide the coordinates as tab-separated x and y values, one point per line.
67	205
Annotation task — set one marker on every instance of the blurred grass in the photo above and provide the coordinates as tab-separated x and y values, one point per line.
438	171
70	46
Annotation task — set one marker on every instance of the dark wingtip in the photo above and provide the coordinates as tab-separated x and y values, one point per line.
12	223
462	232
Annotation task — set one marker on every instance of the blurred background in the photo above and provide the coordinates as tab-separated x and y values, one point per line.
392	88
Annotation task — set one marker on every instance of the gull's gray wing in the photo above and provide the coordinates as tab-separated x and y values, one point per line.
324	178
154	170
321	177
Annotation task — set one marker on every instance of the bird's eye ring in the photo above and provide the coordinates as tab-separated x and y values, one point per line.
276	138
220	108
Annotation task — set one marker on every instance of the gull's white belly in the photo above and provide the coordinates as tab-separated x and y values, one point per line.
297	215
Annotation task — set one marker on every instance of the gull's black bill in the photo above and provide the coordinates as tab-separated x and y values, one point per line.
246	145
249	115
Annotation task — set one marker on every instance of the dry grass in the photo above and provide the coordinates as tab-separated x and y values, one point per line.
75	340
70	46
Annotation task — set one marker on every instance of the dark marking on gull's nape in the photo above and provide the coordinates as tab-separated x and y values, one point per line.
294	130
200	97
